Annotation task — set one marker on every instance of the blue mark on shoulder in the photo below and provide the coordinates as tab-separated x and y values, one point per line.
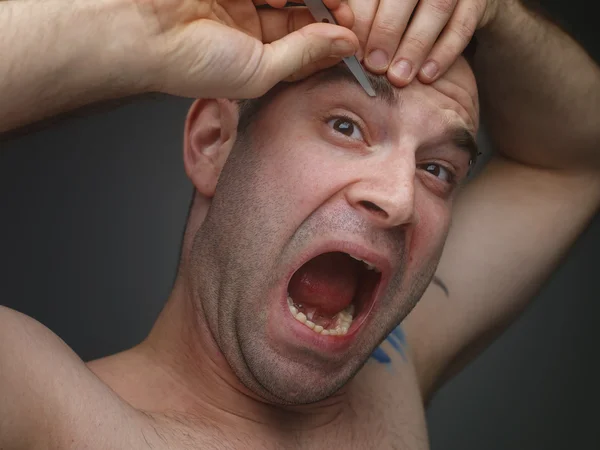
397	340
380	356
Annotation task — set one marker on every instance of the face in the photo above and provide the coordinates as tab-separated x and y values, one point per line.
327	176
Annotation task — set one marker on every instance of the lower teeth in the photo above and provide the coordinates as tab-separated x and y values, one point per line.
343	320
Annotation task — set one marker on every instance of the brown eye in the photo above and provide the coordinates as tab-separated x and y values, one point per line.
438	171
346	127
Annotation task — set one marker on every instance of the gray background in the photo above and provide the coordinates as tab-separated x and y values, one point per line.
92	211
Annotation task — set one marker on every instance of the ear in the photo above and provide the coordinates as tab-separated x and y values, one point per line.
210	132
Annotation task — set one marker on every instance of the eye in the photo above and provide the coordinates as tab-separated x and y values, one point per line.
439	171
347	127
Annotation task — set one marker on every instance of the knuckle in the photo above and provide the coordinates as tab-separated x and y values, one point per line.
309	56
416	43
446	55
464	29
443	7
386	28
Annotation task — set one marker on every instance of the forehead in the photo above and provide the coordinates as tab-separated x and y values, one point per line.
452	98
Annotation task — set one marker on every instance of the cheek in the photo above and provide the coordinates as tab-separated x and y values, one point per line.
429	234
299	167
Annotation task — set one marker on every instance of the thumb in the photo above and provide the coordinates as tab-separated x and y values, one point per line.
301	51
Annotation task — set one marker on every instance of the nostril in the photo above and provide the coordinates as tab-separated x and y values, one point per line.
372	207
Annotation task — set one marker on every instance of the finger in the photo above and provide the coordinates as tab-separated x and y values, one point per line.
364	14
430	18
330	4
313	68
340	10
388	27
453	41
272	3
276	23
344	15
297	51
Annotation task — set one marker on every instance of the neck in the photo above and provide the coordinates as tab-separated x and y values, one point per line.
199	382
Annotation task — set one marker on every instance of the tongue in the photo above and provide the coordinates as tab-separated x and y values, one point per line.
327	282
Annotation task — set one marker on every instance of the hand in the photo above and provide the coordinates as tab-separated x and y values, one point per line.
232	49
408	38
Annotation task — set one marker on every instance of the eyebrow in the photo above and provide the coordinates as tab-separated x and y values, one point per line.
462	138
340	72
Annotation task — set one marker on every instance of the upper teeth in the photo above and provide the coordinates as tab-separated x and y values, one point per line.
369	266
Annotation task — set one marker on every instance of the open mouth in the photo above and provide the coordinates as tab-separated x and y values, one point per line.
332	291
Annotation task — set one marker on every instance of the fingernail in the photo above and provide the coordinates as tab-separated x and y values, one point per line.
402	69
342	47
377	59
430	69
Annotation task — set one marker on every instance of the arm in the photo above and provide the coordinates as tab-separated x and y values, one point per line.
62	54
55	56
512	225
539	90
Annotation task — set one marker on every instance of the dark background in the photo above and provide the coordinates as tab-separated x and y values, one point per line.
92	211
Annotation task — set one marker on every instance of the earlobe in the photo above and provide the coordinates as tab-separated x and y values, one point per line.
210	131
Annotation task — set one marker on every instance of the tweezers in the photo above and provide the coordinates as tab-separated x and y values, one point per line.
321	14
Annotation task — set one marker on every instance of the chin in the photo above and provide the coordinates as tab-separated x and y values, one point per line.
289	380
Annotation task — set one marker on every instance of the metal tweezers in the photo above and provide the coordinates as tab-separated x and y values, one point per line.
322	14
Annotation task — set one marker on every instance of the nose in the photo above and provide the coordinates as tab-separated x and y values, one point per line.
386	195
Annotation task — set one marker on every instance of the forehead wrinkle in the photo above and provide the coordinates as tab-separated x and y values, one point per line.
340	73
458	94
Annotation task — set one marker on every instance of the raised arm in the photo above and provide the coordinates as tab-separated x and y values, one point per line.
61	54
540	95
539	90
58	55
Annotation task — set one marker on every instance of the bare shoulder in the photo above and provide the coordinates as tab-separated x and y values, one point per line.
49	398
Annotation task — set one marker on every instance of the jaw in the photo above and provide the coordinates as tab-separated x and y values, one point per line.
285	361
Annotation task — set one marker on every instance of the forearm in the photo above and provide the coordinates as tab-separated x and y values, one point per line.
62	54
539	90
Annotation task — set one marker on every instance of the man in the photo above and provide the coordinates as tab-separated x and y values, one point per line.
263	341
